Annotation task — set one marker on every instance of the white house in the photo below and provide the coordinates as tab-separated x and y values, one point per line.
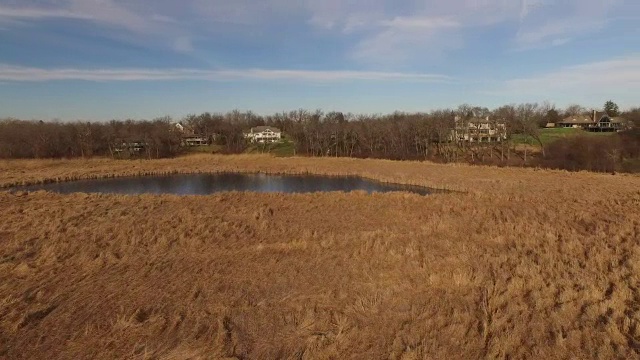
263	134
478	130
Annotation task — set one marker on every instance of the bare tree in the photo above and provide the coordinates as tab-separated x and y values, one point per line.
574	109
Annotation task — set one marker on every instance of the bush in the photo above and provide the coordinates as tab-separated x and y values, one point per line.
592	153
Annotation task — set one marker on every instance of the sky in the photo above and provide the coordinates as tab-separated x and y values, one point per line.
141	59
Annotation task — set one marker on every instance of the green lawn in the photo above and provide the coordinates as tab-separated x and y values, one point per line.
282	148
550	135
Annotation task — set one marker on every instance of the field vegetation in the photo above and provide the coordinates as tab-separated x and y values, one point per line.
523	263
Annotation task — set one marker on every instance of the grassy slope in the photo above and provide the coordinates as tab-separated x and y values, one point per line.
283	148
550	135
529	263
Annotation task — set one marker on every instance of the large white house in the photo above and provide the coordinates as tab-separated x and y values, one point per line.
263	134
478	130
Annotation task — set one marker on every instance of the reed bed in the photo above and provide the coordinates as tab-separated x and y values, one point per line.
521	264
457	177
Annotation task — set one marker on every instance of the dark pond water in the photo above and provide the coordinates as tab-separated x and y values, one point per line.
203	184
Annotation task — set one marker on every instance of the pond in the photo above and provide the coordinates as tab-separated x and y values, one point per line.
204	184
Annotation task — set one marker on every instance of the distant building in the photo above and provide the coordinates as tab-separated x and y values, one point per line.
478	130
576	121
596	122
195	140
132	147
263	134
190	138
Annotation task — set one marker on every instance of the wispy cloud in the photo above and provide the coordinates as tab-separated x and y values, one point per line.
550	23
101	11
402	39
436	27
614	76
31	74
376	32
183	44
119	20
420	22
39	13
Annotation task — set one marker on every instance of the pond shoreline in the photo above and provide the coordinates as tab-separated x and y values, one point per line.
448	177
210	183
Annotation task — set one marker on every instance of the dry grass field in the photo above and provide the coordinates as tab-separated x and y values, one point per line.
521	264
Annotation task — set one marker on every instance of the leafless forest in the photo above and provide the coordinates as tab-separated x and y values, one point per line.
398	136
520	263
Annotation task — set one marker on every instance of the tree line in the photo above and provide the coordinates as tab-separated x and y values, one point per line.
398	136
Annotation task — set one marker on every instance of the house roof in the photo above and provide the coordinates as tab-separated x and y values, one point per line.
600	114
259	129
619	120
478	120
577	119
184	128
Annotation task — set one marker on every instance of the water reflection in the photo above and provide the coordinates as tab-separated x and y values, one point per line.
203	184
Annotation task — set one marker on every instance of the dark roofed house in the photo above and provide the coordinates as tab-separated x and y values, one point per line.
597	122
191	138
619	122
575	121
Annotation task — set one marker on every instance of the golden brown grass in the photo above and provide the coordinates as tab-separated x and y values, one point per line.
469	178
525	264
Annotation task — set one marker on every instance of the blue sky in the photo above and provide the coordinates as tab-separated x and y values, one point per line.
116	59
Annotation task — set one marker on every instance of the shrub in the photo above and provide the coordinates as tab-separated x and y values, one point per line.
592	153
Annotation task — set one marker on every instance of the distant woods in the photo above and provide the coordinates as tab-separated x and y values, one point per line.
39	139
398	136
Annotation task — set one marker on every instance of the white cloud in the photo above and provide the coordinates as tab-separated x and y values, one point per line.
164	18
416	22
528	6
39	13
107	12
343	15
245	12
382	30
436	27
407	39
553	23
112	13
131	21
560	41
399	33
183	44
31	74
614	76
